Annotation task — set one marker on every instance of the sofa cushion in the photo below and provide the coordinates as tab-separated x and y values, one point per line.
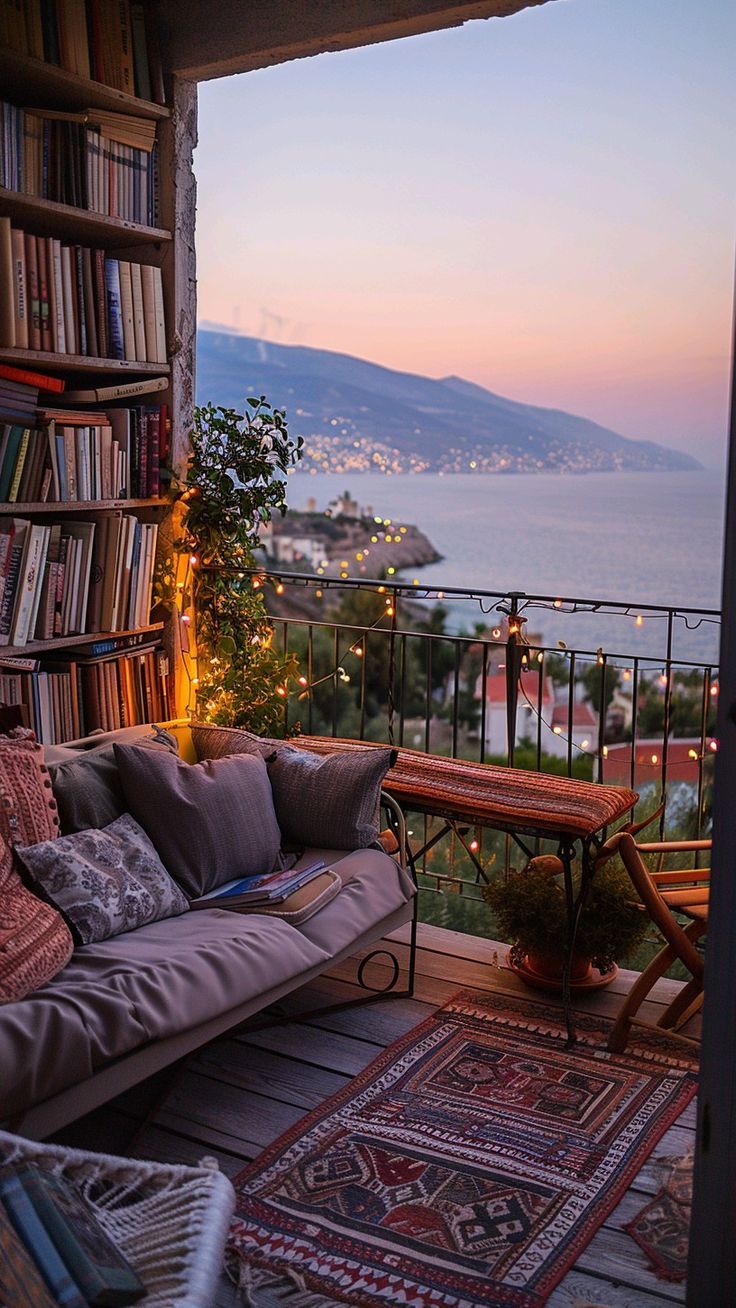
219	742
329	799
210	822
34	939
145	985
103	882
86	781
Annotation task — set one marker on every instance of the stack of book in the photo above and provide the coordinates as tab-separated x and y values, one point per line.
110	41
259	891
70	578
72	300
53	1249
105	162
66	698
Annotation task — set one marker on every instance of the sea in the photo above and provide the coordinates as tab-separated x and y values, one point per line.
636	538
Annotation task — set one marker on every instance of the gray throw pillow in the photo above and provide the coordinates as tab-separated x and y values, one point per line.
210	822
329	801
87	786
103	882
220	742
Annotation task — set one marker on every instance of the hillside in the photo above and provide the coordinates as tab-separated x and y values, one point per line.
358	416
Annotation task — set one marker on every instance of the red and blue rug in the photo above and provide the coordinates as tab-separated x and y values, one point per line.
466	1167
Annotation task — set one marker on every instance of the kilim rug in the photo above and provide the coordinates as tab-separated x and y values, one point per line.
466	1167
662	1227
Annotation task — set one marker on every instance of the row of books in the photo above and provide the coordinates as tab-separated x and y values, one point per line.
69	578
69	299
53	1250
70	697
110	41
73	160
83	457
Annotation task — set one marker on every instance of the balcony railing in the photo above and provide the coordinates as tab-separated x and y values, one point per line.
630	699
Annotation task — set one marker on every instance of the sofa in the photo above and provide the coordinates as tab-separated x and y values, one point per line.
123	1008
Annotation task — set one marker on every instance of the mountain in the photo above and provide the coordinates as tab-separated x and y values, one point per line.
356	416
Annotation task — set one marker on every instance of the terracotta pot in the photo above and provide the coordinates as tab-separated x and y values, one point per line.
550	969
544	973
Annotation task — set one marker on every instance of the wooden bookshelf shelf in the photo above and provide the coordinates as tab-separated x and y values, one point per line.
80	506
70	642
47	218
35	84
78	363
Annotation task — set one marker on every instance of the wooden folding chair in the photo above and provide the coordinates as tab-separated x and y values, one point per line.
664	895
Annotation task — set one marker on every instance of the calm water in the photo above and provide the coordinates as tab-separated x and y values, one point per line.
647	538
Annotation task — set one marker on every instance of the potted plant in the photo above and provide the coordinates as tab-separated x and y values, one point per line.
531	913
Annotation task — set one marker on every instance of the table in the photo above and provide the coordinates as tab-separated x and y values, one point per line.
575	814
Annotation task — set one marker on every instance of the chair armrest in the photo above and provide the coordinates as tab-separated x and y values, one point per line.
671	846
388	802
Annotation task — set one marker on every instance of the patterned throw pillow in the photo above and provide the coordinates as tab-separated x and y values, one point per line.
35	942
104	882
329	801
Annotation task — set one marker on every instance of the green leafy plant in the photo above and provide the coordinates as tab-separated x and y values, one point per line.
531	913
235	484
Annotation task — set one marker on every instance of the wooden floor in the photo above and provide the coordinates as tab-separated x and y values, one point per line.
238	1094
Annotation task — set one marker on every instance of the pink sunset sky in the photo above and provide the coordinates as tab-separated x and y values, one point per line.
542	204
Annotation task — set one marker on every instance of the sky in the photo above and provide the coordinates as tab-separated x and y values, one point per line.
543	204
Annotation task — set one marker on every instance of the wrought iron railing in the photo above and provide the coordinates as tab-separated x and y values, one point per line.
636	709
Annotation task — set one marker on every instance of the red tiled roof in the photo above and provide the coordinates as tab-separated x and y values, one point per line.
582	715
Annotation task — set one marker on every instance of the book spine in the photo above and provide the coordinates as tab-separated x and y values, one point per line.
33	1233
8	307
42	264
116	342
34	331
20	296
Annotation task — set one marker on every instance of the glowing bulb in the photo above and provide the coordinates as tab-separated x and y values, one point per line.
639	620
440	594
714	690
193	560
195	681
473	845
692	753
557	604
280	691
343	575
320	572
713	745
496	633
302	681
390	571
381	590
601	659
185	618
415	581
655	758
540	657
374	540
584	744
318	593
627	674
605	751
557	731
663	679
390	611
402	530
359	556
280	588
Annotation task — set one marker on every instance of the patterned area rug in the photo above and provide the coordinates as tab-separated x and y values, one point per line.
662	1227
467	1167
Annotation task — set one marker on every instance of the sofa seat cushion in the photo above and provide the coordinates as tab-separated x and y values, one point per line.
121	993
373	887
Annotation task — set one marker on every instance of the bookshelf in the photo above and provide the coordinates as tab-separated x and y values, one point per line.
50	218
36	647
30	83
47	361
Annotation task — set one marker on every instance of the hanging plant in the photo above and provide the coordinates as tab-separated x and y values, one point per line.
235	483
